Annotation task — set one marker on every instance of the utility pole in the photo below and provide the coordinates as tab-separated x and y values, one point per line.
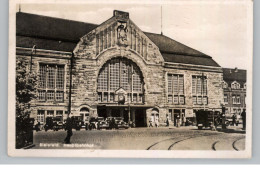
70	86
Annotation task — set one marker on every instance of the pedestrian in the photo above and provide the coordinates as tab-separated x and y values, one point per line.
157	120
238	116
69	130
183	120
151	121
178	121
233	120
167	120
244	119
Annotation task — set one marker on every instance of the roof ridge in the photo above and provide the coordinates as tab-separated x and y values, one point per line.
64	19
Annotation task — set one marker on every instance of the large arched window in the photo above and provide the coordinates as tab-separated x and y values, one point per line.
120	73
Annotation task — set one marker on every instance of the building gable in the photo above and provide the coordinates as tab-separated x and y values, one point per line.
121	33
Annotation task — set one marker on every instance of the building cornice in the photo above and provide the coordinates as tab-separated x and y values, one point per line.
192	67
42	53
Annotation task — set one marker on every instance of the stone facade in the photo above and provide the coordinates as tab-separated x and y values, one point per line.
113	40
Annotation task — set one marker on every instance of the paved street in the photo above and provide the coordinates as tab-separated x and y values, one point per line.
163	138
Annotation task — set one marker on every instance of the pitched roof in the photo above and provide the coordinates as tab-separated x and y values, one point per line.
233	74
63	35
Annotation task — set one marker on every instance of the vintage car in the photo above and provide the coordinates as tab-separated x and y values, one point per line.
207	119
77	123
57	124
120	123
102	123
92	123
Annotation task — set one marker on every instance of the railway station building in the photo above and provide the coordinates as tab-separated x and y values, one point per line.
114	69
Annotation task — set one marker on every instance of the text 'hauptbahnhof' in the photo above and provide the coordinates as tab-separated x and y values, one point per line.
114	70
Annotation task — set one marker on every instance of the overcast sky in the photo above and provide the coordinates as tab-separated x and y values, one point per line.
218	30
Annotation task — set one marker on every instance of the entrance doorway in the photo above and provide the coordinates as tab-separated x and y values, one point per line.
140	118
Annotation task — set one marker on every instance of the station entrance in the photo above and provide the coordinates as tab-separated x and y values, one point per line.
129	115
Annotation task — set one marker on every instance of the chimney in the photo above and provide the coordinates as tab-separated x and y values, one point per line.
121	15
236	70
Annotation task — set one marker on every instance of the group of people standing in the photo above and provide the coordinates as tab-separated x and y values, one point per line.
154	121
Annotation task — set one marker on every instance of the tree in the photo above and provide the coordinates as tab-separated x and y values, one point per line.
26	85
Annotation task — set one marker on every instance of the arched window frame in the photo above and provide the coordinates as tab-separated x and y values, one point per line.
235	85
120	73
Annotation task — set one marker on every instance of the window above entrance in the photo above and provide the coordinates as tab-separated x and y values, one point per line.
120	73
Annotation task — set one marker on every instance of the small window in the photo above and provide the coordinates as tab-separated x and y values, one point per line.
111	97
225	98
50	96
238	99
50	113
235	85
59	96
169	98
42	95
40	116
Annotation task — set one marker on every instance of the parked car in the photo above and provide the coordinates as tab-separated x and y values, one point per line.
190	121
92	124
102	123
57	123
120	123
207	118
78	123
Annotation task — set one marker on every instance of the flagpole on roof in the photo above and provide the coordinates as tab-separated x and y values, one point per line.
161	22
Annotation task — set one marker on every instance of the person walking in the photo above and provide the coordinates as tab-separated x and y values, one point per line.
243	114
69	130
151	121
233	120
178	121
167	120
157	121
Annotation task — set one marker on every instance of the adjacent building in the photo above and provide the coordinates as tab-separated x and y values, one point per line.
234	86
114	69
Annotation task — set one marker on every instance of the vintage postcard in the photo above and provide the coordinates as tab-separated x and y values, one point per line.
134	79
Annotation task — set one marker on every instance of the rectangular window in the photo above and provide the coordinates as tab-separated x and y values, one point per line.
194	100
50	113
125	79
234	100
137	83
99	97
114	74
225	98
59	96
105	98
205	100
40	116
199	100
140	98
42	95
181	100
59	113
103	80
50	95
199	90
60	77
135	98
176	88
169	98
238	99
112	97
42	76
169	84
51	79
